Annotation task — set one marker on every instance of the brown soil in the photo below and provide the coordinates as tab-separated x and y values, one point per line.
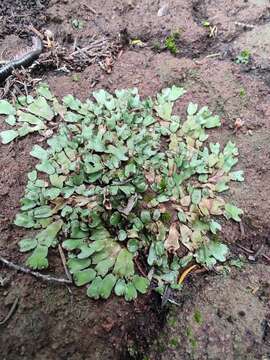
54	322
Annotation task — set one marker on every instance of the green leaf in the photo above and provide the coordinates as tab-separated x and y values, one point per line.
76	265
237	175
72	117
119	152
192	108
104	266
120	287
130	292
6	108
30	119
133	245
38	260
83	277
221	185
72	244
162	198
57	180
24	220
48	235
39	153
93	291
141	283
107	285
164	110
212	121
41	108
181	216
46	167
115	218
8	135
71	102
210	253
218	251
32	176
43	212
52	193
44	90
122	235
27	204
11	120
196	196
27	244
214	226
86	252
173	93
232	212
146	216
124	266
148	120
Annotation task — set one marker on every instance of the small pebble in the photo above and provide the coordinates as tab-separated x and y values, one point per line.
164	10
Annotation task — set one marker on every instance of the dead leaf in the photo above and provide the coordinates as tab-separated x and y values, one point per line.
171	244
59	204
177	207
79	201
131	203
211	206
214	179
172	169
185	201
150	176
186	234
217	205
162	208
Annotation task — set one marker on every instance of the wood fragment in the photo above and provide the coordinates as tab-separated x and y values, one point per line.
11	312
93	11
245	249
266	257
242	230
185	273
213	55
35	31
255	256
62	255
34	273
244	25
139	267
131	203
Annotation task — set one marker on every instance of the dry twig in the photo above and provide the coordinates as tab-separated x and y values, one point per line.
34	273
64	262
11	312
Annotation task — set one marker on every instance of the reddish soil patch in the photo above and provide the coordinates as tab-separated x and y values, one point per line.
50	322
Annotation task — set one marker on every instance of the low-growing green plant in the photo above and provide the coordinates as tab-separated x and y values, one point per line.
170	43
206	23
242	92
198	317
122	185
243	57
77	24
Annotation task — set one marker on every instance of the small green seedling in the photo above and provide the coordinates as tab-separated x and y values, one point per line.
170	43
242	92
243	57
198	317
77	24
206	23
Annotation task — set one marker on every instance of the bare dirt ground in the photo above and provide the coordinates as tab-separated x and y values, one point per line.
220	316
